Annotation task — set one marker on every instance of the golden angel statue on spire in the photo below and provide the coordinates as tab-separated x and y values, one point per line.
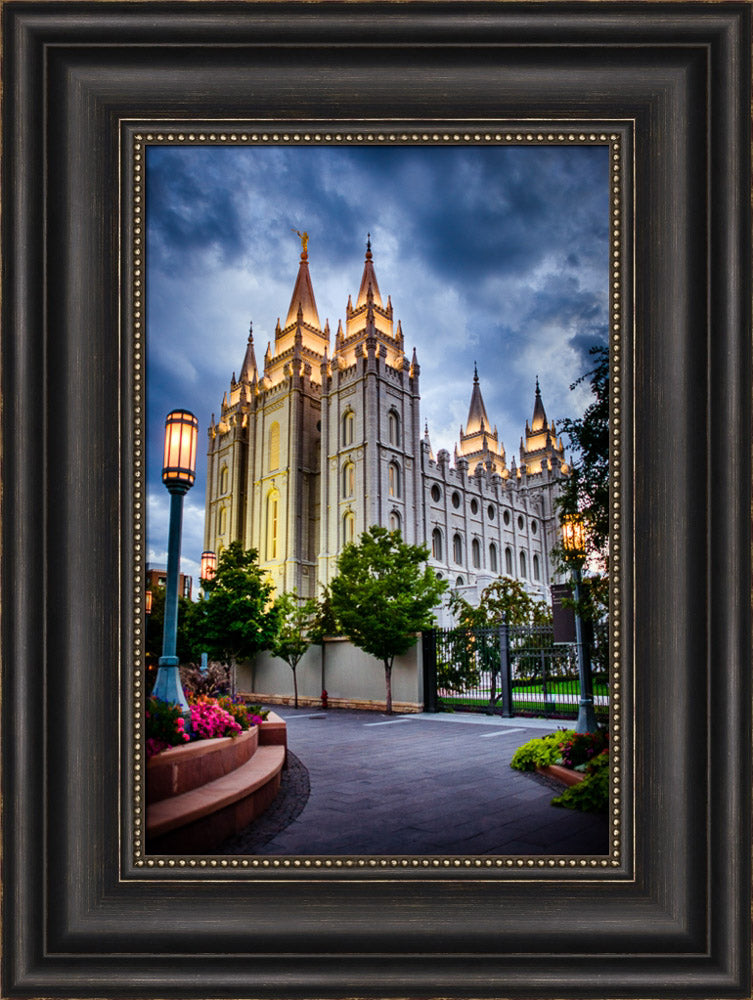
304	238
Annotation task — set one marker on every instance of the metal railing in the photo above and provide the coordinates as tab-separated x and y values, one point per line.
507	670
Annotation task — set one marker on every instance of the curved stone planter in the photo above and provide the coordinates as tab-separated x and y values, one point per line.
202	793
563	774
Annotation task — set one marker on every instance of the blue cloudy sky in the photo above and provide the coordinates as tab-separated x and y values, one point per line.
491	254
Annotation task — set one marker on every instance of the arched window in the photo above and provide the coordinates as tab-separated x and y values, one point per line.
348	424
223	521
493	557
508	561
523	564
394	427
394	521
273	501
436	544
223	479
349	479
274	446
394	479
459	582
476	553
349	527
536	569
457	549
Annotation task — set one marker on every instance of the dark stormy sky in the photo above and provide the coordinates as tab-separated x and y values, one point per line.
491	254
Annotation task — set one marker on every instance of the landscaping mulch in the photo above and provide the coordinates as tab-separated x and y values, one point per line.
292	797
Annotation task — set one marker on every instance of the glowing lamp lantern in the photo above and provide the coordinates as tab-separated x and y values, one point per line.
574	544
208	565
178	475
148	602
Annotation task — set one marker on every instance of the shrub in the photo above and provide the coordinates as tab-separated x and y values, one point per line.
580	748
540	752
214	681
164	726
592	794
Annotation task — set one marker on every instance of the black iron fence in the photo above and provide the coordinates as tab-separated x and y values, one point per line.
507	670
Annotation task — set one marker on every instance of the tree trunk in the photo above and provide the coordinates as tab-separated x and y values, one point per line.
295	688
233	679
388	682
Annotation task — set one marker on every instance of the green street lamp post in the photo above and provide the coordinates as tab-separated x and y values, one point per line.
574	544
178	475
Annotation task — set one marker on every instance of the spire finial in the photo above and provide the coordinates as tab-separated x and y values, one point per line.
475	372
304	238
368	246
538	391
251	332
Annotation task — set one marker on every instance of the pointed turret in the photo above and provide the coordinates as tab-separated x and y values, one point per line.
477	442
369	288
539	416
303	300
248	368
477	418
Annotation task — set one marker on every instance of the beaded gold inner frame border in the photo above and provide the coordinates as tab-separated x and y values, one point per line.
135	138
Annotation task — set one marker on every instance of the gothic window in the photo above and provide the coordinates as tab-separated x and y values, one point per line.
457	548
523	564
508	561
476	553
394	521
274	446
348	424
223	479
394	479
394	427
536	569
459	582
349	527
349	479
223	521
436	544
273	500
493	557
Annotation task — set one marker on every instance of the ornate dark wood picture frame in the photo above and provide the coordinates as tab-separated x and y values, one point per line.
81	916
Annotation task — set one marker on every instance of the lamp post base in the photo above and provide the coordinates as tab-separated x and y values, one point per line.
168	687
586	717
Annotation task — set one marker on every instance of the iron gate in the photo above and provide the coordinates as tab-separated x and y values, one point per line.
506	670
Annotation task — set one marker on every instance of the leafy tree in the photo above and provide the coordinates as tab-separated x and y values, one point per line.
585	492
504	600
295	619
384	594
236	618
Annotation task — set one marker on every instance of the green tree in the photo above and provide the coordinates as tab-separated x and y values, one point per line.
384	594
585	492
295	619
236	618
155	625
504	600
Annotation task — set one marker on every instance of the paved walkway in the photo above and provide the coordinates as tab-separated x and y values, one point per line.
424	784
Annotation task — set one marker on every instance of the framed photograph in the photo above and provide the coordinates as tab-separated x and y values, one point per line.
96	96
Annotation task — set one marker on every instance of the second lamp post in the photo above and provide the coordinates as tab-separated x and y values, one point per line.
574	544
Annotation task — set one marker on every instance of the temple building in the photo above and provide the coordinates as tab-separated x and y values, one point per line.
327	440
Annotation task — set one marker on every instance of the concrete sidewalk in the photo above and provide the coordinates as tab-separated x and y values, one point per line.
425	784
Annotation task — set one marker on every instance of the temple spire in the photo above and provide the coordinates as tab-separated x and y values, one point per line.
539	415
302	301
369	286
477	418
248	368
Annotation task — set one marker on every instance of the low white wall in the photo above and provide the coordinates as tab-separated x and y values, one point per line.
349	676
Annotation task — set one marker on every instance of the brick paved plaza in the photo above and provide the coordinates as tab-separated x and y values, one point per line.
415	784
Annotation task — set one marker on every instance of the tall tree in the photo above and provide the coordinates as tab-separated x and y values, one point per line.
236	618
585	492
383	596
295	621
504	600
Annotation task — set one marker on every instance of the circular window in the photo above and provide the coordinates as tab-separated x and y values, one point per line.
436	493
507	517
534	527
456	499
474	506
521	522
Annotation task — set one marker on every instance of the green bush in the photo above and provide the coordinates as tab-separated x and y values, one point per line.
592	794
540	752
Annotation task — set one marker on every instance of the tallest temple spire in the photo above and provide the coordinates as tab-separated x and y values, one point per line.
303	292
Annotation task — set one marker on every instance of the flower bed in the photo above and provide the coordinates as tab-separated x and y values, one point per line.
210	718
580	760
